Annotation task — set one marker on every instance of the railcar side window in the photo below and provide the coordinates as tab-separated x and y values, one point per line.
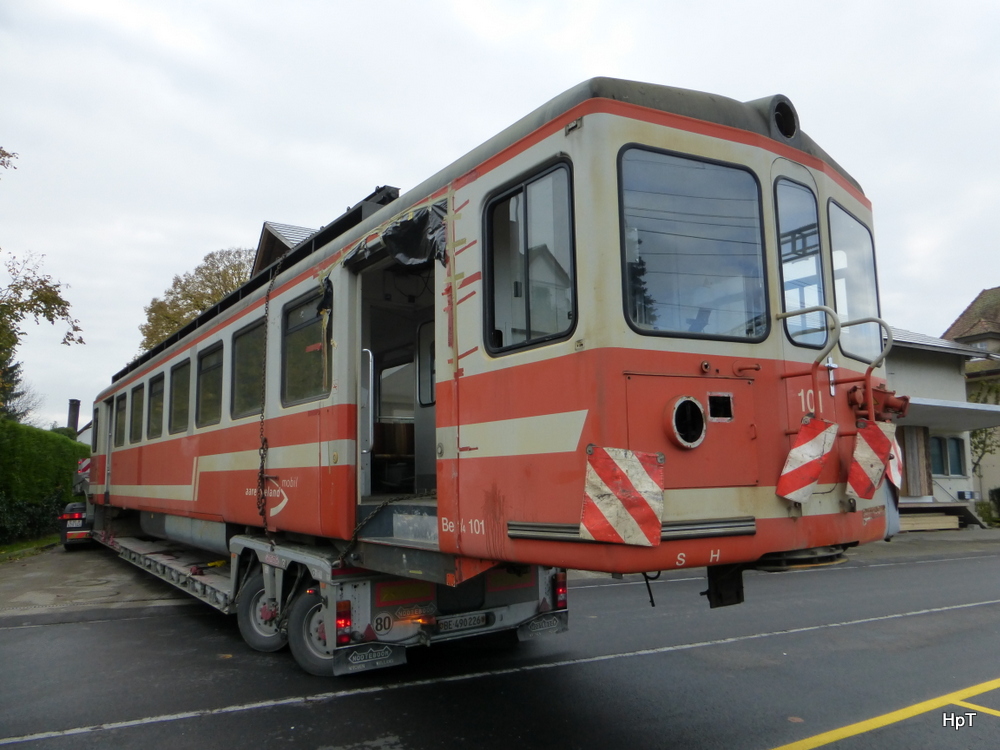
154	424
135	417
854	289
694	261
395	392
304	365
120	406
530	262
248	365
801	265
209	403
180	396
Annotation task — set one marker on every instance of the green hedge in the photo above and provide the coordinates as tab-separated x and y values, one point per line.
36	479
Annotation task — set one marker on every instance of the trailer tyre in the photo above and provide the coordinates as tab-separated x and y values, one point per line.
259	633
307	635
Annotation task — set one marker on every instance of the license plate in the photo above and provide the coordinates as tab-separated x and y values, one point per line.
461	622
74	524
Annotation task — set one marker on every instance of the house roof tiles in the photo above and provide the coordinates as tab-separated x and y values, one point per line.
982	316
913	340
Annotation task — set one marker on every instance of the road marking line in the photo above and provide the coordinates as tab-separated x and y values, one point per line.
974	707
893	717
857	565
319	697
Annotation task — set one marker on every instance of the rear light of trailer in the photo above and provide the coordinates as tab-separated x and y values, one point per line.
561	593
71	516
343	623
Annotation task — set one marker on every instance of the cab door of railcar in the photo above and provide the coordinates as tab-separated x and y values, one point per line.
802	268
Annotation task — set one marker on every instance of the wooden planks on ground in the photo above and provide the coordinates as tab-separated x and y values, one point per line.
928	522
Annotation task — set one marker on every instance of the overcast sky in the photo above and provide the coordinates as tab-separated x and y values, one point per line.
153	132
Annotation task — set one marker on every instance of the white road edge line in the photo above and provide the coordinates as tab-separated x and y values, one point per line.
319	697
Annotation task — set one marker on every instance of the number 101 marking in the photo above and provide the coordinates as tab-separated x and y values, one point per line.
808	399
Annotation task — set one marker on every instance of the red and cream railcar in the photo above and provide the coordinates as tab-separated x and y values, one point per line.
592	342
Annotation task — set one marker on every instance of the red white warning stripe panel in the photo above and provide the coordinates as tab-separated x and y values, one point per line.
623	500
872	448
806	460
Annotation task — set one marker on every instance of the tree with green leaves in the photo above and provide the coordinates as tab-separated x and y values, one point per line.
986	441
219	274
18	400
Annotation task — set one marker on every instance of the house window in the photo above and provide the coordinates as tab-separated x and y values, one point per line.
956	456
529	260
209	407
948	456
693	250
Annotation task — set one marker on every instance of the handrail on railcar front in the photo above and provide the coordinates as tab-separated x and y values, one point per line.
877	362
832	340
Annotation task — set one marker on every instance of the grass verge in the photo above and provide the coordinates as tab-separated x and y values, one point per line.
27	548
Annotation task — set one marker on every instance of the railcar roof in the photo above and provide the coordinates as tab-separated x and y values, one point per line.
756	117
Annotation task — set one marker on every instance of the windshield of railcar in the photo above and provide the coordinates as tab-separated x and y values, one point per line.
854	288
692	243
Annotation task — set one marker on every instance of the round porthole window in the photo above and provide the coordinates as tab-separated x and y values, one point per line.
684	422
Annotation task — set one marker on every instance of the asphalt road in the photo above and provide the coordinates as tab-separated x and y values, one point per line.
890	650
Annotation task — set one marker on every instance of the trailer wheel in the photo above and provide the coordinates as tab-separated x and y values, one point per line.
260	633
307	635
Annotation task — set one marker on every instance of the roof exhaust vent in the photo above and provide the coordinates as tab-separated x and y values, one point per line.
785	119
780	116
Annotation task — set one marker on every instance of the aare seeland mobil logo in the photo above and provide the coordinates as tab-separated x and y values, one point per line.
275	488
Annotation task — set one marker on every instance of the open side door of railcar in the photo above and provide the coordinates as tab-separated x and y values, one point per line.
396	443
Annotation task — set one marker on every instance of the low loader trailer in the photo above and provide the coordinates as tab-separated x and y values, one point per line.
338	618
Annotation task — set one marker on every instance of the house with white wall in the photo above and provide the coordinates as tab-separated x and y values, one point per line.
934	434
978	327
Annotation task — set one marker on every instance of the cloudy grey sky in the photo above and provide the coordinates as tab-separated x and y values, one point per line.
152	132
